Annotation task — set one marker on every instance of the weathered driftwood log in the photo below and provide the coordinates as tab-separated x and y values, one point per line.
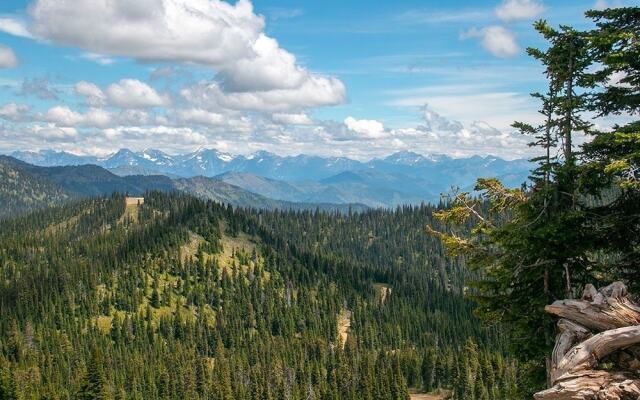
607	308
603	323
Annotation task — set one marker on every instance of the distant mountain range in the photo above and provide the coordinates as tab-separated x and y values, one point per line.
401	178
24	187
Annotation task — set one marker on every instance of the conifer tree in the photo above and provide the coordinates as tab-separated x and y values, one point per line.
94	386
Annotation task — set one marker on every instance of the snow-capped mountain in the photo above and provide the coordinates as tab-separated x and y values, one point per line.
403	177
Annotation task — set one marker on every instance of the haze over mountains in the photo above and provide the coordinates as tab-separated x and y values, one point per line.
401	178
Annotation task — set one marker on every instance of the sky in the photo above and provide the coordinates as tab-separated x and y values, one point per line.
360	79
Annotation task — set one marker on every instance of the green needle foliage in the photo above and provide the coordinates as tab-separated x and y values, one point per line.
578	221
196	300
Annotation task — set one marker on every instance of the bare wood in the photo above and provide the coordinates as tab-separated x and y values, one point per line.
615	323
608	308
570	334
593	384
585	355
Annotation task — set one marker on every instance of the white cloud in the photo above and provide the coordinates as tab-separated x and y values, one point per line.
466	103
497	40
135	118
63	116
229	38
435	122
132	93
201	117
38	87
291	119
14	112
8	58
14	27
314	92
515	10
356	138
98	58
54	133
191	31
97	117
162	136
366	127
94	96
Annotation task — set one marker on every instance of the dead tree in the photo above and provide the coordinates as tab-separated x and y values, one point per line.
597	351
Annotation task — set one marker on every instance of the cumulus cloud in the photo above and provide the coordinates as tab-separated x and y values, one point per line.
94	96
63	116
127	93
497	40
135	118
229	38
368	128
516	10
436	122
8	58
14	112
356	138
191	31
132	93
54	133
201	117
315	92
161	135
38	87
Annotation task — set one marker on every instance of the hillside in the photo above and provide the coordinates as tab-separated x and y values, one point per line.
34	187
175	298
21	192
400	178
366	187
241	196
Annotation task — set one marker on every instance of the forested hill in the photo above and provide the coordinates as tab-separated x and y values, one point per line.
25	187
180	298
21	192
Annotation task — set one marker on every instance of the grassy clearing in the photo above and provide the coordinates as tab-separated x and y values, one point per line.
131	209
190	249
236	253
242	242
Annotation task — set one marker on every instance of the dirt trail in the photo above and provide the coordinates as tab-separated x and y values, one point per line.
436	395
344	324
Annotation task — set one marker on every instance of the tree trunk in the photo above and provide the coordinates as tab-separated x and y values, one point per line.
604	324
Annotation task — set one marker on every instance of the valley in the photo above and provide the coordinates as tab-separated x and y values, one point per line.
204	300
303	200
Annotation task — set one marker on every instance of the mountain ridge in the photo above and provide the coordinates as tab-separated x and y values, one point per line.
210	162
25	187
403	177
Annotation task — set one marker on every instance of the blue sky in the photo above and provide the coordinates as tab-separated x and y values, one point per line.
352	78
